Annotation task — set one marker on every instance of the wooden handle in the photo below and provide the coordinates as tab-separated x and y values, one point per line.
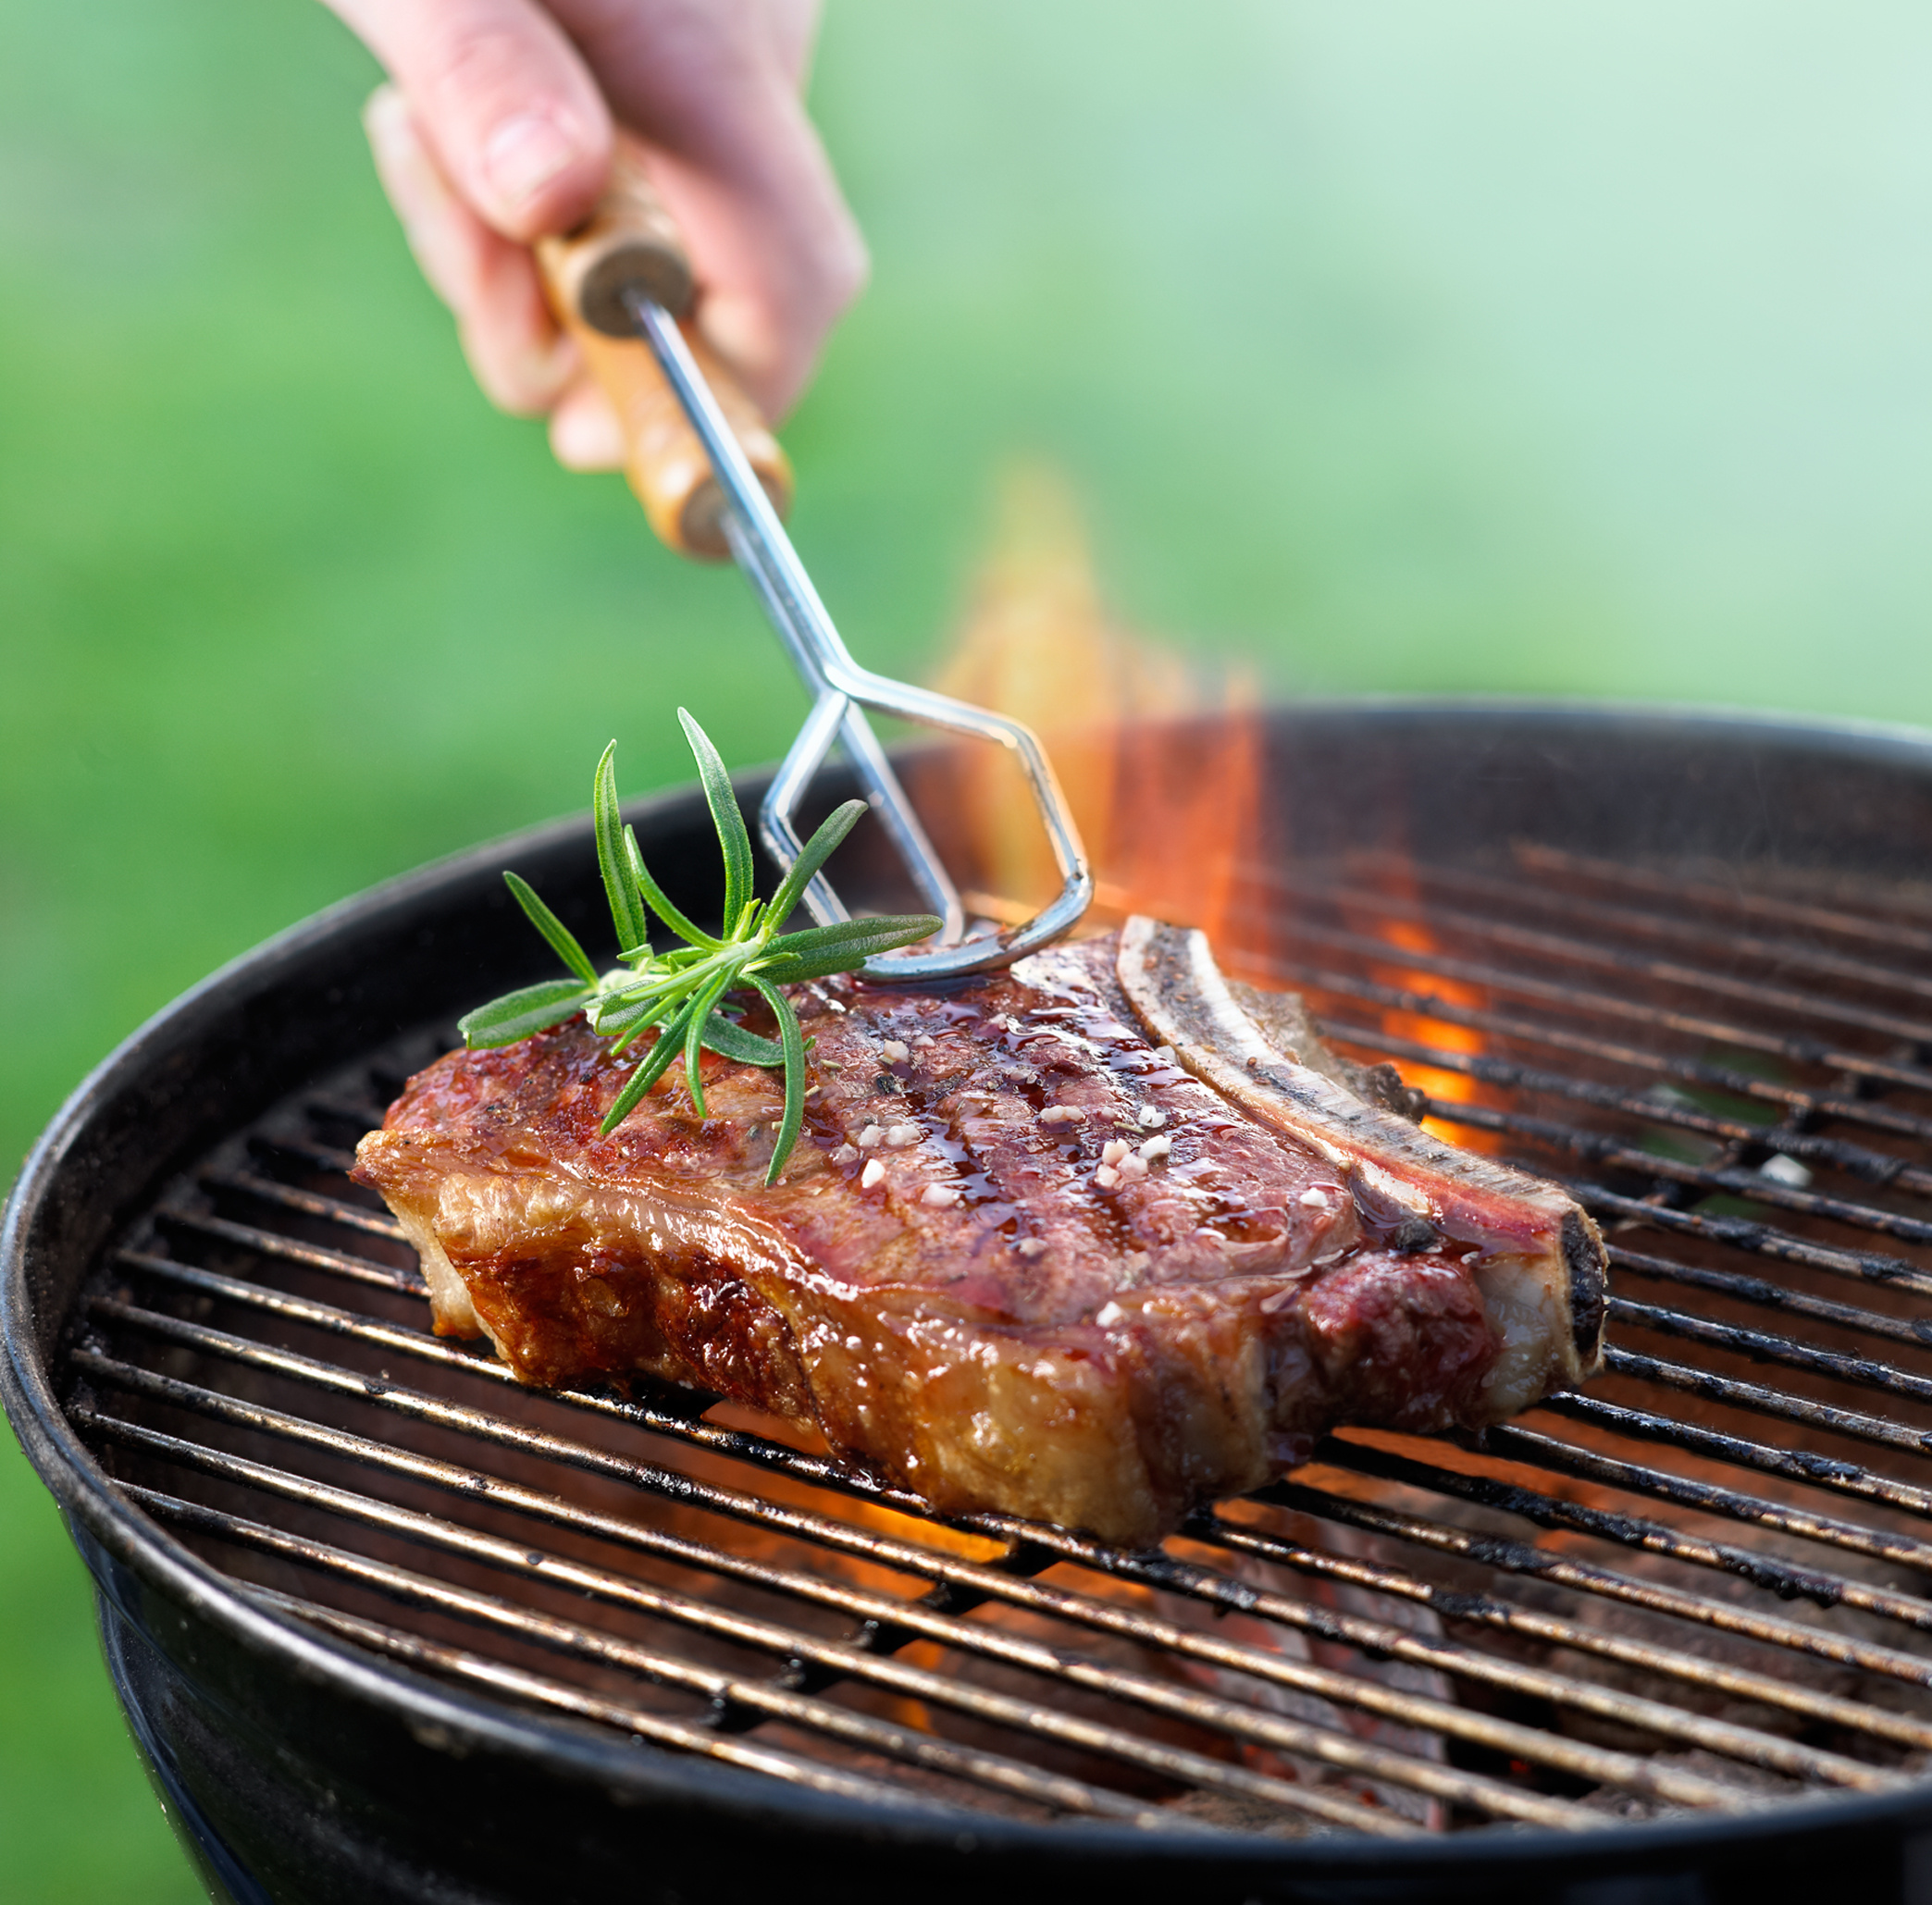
666	464
629	242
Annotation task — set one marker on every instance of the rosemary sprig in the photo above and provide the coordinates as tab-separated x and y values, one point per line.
682	994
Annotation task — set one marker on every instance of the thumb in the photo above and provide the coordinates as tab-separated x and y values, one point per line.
500	95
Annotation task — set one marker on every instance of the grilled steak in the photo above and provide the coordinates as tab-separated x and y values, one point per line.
1079	1242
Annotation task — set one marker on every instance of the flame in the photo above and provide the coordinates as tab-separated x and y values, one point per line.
1449	1087
1166	809
1164	769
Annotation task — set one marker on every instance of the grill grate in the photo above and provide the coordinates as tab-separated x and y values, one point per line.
1690	1588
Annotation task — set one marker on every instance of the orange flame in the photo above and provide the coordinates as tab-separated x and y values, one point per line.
1167	811
1450	1087
1163	768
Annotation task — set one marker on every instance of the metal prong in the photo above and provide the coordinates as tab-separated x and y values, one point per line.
835	717
765	554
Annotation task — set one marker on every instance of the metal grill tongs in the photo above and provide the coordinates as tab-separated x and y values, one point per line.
714	482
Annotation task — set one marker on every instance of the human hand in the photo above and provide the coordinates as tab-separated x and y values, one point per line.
497	128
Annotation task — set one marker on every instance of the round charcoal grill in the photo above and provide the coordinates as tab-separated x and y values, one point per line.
389	1626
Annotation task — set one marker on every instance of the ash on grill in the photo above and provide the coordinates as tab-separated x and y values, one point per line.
1699	1585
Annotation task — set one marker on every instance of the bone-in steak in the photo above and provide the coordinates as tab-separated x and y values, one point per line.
1024	1256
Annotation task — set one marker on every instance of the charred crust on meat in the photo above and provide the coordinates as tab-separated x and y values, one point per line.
1587	1262
1284	1019
1382	1085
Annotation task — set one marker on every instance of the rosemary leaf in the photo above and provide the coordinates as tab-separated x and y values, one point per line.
702	1004
520	1014
731	1041
650	1067
729	821
626	989
626	914
832	830
793	1041
563	940
625	1023
660	903
683	992
847	944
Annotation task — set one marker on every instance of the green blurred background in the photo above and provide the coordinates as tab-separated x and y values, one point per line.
1583	350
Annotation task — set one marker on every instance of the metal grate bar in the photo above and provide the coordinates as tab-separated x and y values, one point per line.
1601	1149
1374	1636
1767	1295
539	1690
1759	1239
360	1114
335	1210
1891	932
313	1256
1517	1557
1874	1166
843	1658
1725	943
1700	1072
766	1699
1592	1006
1456	1604
328	1158
1796	1465
560	1697
1766	1402
1566	950
1762	1346
1511	1441
1787	1582
1619	1769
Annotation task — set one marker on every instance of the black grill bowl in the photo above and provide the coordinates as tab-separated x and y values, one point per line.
303	1770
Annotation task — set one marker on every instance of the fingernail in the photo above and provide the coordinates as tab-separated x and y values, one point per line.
584	433
523	155
383	115
392	139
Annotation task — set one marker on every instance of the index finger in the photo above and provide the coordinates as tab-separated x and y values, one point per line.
505	100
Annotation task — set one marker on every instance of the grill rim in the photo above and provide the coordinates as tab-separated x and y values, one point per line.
133	1559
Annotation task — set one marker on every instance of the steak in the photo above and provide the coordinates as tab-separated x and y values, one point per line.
1091	1241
